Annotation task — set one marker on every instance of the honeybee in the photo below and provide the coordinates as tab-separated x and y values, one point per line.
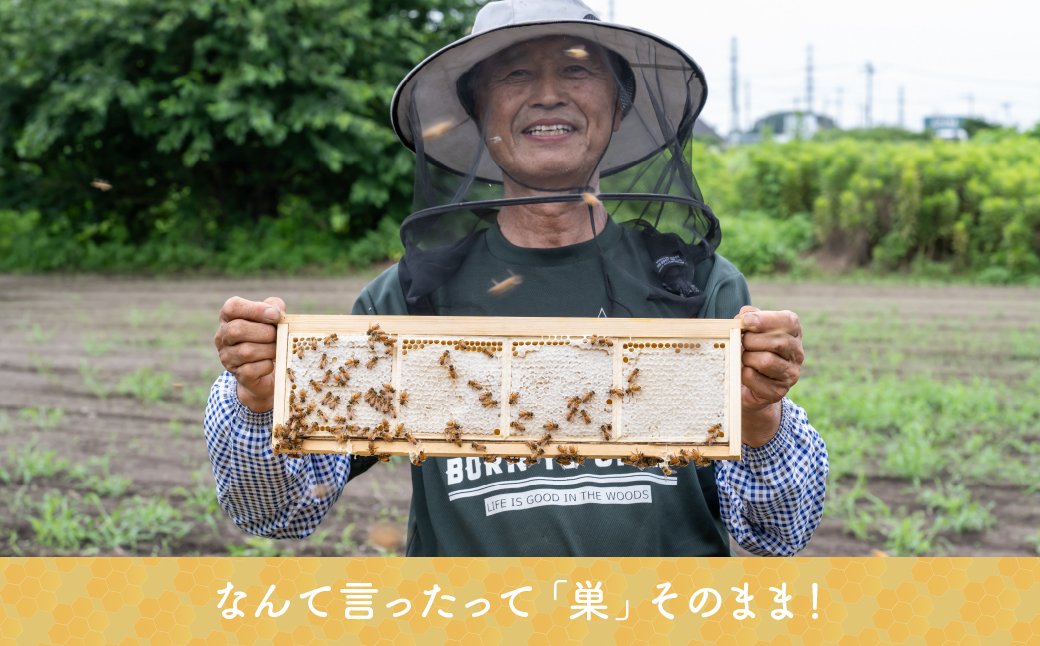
333	403
419	459
605	430
498	289
399	429
518	426
303	396
372	343
577	52
551	426
587	397
478	447
299	353
292	397
484	396
373	329
316	386
328	376
325	401
323	361
665	470
354	399
475	385
330	339
632	390
525	414
310	408
571	413
403	397
408	436
513	398
594	339
486	350
292	375
339	419
713	433
489	403
389	388
437	129
324	418
511	460
453	426
352	363
463	346
585	416
633	374
699	459
341	379
280	430
383	457
372	362
573	403
444	358
451	372
617	392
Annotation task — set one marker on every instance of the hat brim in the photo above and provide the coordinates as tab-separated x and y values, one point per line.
678	86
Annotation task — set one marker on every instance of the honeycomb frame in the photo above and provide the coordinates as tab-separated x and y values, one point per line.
695	405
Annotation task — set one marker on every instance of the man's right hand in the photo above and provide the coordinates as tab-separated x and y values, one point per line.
246	344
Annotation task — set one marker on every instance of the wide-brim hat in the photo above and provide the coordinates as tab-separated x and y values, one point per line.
675	79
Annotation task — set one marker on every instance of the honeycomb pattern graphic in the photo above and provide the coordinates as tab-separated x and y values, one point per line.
166	602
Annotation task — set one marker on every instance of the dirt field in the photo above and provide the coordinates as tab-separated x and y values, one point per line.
94	366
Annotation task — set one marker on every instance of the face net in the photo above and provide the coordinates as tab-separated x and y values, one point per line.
632	102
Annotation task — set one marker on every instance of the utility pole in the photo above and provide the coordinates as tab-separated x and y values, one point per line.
971	104
748	125
902	106
841	91
733	86
610	11
808	81
1007	114
870	98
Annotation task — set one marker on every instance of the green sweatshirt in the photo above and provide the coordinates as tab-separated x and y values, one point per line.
466	507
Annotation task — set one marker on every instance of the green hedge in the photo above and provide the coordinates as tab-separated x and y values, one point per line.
973	207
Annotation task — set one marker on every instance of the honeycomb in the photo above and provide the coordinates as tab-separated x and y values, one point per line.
663	407
549	372
337	354
434	397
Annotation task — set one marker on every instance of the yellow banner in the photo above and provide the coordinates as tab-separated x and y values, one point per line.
486	602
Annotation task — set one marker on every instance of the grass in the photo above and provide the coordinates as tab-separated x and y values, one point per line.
146	385
950	402
42	417
259	546
92	380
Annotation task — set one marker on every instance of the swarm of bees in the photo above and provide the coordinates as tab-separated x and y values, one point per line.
686	456
595	339
638	459
382	401
575	402
453	432
568	454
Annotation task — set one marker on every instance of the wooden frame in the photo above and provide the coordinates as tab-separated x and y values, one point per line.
622	331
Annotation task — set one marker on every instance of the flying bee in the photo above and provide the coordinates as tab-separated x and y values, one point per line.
633	375
292	375
403	397
513	398
444	359
587	397
478	447
486	350
101	184
507	285
585	416
372	362
525	414
475	385
323	361
419	459
389	388
437	129
323	416
605	430
352	363
577	52
518	426
451	372
316	386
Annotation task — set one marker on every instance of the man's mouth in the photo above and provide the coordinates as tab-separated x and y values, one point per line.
548	131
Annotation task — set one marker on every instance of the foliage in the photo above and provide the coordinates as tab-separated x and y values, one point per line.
234	134
974	206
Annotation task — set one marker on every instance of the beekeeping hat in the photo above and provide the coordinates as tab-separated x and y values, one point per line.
645	181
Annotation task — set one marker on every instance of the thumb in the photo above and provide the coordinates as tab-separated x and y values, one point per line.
749	322
277	302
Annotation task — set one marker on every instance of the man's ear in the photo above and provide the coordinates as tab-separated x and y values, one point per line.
618	115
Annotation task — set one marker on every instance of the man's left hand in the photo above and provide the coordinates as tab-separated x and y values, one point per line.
772	356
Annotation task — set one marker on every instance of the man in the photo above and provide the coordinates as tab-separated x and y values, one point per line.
551	96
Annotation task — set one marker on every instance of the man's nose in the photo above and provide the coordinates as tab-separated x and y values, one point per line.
547	92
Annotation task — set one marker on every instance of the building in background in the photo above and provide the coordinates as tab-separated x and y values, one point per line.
785	126
949	128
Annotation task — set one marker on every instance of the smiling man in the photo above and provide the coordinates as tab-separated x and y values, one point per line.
516	128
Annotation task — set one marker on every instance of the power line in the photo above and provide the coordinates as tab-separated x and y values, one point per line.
870	91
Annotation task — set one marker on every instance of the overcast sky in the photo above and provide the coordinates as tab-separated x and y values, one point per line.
941	53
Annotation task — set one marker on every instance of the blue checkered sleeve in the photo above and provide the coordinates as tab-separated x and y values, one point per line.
772	499
264	493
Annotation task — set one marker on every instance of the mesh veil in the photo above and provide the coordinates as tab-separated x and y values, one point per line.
645	181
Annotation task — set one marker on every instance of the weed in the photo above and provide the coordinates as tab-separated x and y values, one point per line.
259	546
95	346
146	385
176	426
909	536
93	475
317	540
43	417
137	521
346	545
60	524
1034	540
92	380
195	396
38	336
956	509
201	500
5	422
32	463
43	367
